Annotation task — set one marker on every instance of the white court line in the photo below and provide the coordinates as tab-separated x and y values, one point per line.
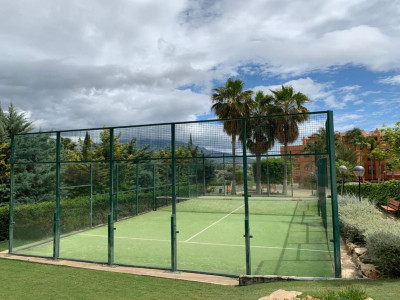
188	240
124	237
211	244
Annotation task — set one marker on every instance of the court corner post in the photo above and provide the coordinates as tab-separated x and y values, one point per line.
173	215
56	233
111	201
335	215
246	200
11	212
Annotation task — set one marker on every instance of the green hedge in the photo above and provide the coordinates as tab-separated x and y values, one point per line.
378	193
4	222
35	221
361	223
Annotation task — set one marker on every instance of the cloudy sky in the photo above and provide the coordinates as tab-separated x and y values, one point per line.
76	64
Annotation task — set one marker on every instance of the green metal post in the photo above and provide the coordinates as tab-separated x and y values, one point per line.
204	175
111	200
11	224
291	172
179	180
91	195
173	215
188	178
197	179
137	189
268	182
154	187
56	242
246	201
166	182
335	216
116	192
223	170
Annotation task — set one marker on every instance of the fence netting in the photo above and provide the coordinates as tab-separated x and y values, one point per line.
238	196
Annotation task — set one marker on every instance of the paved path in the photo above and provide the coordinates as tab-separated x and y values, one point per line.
214	279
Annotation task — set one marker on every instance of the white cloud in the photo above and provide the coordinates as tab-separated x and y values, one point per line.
89	63
391	80
349	97
331	102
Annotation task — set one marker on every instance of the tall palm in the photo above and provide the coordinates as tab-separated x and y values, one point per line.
231	101
260	132
286	101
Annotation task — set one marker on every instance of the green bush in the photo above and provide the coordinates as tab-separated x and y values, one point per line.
360	222
348	293
378	193
4	222
357	218
35	221
384	250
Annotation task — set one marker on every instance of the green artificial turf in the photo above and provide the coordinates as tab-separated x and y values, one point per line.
288	239
24	280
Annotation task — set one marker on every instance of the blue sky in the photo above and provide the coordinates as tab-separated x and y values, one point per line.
78	64
359	97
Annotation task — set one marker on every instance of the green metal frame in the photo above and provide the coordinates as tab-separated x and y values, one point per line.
246	201
57	213
113	187
111	214
335	214
173	215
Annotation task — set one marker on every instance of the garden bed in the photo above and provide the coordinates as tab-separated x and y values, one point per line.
371	236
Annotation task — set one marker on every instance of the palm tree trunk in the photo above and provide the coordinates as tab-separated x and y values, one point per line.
284	189
233	192
258	174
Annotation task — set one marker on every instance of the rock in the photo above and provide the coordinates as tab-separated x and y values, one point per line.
360	250
365	258
370	271
351	247
281	295
356	260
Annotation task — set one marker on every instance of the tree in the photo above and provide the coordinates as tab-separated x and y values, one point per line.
286	101
391	142
34	182
271	169
379	154
230	101
11	122
260	133
317	142
355	138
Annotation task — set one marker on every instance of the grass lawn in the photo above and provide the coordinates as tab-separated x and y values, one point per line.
288	239
24	280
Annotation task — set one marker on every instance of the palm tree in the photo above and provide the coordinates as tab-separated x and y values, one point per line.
260	132
316	142
286	101
230	101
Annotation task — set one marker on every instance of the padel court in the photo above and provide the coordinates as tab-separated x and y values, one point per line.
288	238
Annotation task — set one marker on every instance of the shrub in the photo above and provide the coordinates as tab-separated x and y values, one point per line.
360	222
4	222
348	293
378	193
356	218
384	250
35	221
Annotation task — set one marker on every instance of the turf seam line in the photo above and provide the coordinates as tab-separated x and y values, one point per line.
216	222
